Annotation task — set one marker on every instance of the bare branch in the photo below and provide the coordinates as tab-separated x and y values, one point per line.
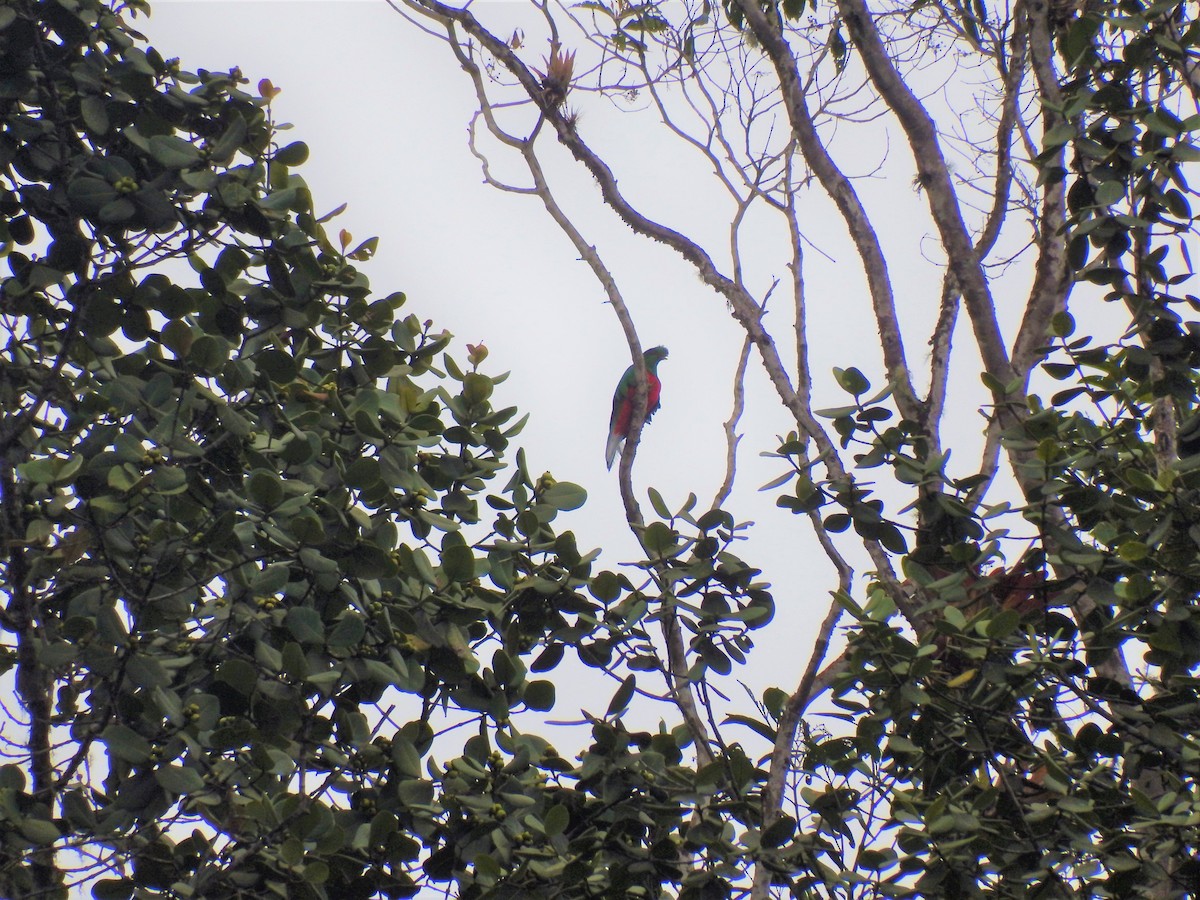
732	438
769	32
1052	273
934	176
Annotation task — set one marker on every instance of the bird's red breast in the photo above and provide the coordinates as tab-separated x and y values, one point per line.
625	410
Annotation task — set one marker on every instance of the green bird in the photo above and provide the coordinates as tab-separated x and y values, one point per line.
622	411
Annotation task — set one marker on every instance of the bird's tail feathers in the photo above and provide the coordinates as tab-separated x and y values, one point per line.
611	448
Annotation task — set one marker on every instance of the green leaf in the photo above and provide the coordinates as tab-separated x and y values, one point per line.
305	624
125	743
294	663
556	820
852	381
1060	134
1062	324
847	603
1076	804
539	695
1185	151
954	617
620	699
406	757
155	210
316	871
660	505
477	388
779	833
605	587
117	211
239	674
1132	551
222	152
173	152
91	193
760	728
382	827
648	24
277	364
441	523
40	471
1166	638
177	337
294	154
892	538
38	831
12	778
458	559
270	580
279	201
1162	121
1109	192
1003	624
348	631
548	659
713	656
264	488
363	473
209	352
713	519
659	540
146	671
306	528
113	889
564	496
179	779
837	522
365	251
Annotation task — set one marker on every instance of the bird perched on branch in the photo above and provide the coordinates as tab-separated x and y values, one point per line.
623	399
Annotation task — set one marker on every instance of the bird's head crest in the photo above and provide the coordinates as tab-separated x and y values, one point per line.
656	354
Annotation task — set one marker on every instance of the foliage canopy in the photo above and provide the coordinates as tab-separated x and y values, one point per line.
276	621
1017	698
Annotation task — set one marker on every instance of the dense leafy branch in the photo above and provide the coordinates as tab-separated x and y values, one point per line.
276	588
981	685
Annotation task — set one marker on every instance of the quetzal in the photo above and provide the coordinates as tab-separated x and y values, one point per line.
618	425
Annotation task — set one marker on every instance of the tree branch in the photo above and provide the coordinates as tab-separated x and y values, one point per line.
934	176
768	31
